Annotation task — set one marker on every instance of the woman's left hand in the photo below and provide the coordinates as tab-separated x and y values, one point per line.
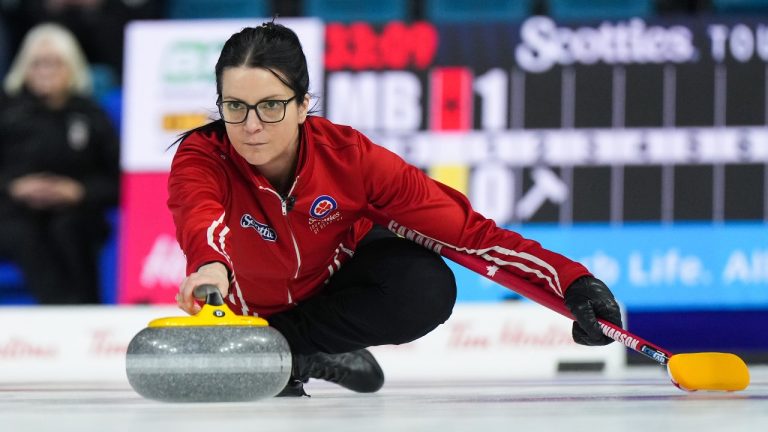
588	299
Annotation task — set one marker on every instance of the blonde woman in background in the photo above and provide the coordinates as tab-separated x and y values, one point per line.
58	169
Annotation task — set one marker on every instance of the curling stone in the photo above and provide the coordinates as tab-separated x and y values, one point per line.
214	356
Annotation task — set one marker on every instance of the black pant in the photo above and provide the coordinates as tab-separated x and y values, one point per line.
392	291
57	251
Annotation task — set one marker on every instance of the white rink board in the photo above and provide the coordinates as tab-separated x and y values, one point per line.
482	341
495	342
70	343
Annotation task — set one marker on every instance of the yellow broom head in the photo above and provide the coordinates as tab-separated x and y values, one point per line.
708	371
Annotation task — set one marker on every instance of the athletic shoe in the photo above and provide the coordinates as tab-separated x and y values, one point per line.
356	370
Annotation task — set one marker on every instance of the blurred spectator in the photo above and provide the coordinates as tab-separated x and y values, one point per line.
97	24
58	169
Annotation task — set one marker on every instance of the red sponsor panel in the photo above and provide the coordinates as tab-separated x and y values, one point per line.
151	262
450	99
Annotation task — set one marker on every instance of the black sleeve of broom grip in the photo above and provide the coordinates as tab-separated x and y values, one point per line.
588	299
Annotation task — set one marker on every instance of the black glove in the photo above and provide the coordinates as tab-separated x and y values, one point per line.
588	298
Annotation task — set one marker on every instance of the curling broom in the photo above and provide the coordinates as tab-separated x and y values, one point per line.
690	372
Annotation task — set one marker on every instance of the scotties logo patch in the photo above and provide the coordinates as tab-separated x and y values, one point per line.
323	213
322	206
265	231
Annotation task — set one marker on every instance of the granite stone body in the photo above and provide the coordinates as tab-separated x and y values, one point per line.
208	363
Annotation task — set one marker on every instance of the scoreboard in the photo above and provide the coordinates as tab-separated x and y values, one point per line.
543	122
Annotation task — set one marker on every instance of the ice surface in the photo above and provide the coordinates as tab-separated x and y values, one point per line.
642	400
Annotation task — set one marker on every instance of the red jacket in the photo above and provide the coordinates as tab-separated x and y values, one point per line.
282	251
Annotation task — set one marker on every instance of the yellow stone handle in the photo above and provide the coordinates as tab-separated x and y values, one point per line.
214	313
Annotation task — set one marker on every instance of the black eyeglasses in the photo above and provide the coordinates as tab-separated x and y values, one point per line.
268	111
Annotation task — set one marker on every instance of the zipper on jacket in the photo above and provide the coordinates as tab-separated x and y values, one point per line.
284	208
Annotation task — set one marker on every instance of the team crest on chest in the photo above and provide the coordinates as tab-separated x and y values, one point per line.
323	212
322	206
265	231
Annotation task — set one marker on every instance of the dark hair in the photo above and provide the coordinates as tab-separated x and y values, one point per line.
270	46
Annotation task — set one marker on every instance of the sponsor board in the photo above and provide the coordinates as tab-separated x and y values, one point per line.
493	342
152	264
170	84
694	266
70	344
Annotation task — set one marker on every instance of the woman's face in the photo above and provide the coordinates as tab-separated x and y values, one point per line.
271	147
48	75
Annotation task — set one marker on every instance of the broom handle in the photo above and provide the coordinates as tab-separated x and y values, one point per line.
544	297
552	301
